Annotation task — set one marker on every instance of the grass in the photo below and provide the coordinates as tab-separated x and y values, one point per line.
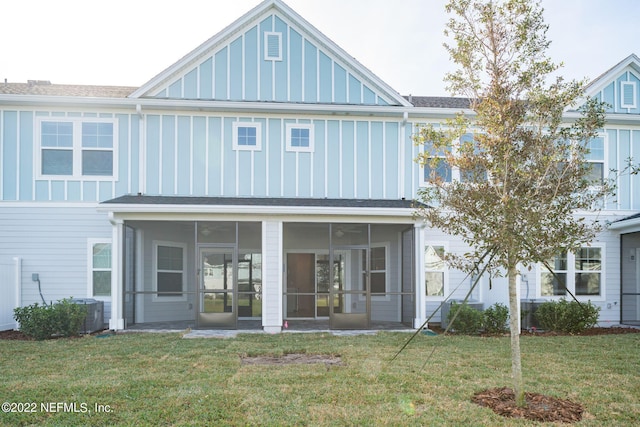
162	379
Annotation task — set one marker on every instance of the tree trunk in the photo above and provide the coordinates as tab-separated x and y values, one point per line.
516	365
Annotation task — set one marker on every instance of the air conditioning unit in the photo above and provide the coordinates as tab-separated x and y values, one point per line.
446	308
94	321
528	310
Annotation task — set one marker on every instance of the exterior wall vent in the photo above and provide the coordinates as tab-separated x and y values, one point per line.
272	46
628	94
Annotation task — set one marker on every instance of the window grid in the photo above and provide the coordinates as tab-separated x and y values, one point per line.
434	267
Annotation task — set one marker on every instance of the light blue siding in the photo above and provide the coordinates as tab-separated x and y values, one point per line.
608	96
199	155
612	136
42	190
274	149
289	174
168	154
266	67
214	160
412	170
105	191
58	191
326	89
339	84
134	161
260	164
362	160
310	72
220	79
251	64
184	172
391	158
153	154
355	90
26	155
369	96
304	175
235	70
74	191
295	64
191	84
122	185
348	160
206	79
281	67
333	163
635	179
229	159
175	90
9	155
378	173
624	183
319	159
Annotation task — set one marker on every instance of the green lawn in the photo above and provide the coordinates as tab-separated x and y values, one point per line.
162	379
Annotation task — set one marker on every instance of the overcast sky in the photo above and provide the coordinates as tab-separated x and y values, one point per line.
127	42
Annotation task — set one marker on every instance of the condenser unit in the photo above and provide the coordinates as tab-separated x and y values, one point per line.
94	321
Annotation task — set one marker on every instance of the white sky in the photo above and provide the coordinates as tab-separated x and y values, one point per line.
127	42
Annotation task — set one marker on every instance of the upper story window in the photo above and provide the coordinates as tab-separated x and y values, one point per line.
300	137
272	46
628	95
77	147
247	136
595	159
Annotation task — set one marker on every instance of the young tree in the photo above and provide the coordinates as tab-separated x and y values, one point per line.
522	170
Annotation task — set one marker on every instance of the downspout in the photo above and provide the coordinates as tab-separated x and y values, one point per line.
142	163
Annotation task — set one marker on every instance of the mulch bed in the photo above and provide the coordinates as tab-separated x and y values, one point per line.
539	407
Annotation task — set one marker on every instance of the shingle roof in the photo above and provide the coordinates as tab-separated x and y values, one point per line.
39	87
438	101
263	201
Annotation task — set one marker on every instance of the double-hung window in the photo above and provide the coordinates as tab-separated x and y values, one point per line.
581	272
436	167
247	136
378	269
99	268
300	137
169	274
77	147
595	160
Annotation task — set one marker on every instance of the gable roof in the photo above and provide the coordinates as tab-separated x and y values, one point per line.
253	17
605	78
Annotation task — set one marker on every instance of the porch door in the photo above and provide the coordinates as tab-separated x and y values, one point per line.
217	293
350	294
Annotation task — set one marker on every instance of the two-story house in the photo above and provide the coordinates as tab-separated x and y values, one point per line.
265	177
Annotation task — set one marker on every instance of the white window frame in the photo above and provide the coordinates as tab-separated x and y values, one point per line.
76	148
634	89
267	36
385	297
90	268
257	126
445	271
289	129
155	297
571	271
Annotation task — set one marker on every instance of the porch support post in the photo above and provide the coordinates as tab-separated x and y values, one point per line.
117	241
272	276
420	291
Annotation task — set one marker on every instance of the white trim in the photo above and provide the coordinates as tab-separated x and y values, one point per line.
570	272
154	268
634	93
445	270
289	129
76	148
257	126
387	251
91	242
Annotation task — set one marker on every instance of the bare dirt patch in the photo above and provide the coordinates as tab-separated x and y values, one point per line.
539	407
293	358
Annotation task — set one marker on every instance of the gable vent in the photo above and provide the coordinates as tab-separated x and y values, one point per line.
272	46
628	95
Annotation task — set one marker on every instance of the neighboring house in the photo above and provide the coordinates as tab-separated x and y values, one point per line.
265	177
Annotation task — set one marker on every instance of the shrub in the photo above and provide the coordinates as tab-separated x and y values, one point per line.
467	321
495	319
43	321
568	317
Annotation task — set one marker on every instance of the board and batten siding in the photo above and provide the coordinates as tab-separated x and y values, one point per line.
305	72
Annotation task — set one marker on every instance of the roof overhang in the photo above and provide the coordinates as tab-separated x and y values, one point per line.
628	224
252	209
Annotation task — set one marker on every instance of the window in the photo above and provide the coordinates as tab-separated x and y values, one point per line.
476	172
300	137
247	136
77	147
272	46
435	270
99	268
581	273
378	266
628	94
595	160
169	271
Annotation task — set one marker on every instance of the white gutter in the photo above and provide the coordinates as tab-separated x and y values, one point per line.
624	224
